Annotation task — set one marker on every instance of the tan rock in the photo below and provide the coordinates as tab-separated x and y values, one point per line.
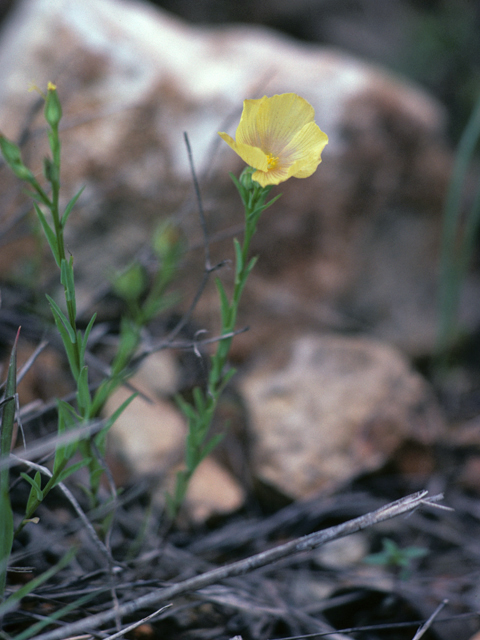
149	438
149	435
159	373
213	490
335	407
132	79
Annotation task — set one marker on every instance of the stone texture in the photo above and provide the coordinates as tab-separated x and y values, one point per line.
149	436
213	491
353	246
331	407
149	439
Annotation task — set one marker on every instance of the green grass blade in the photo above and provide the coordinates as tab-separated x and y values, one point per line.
6	435
450	275
11	602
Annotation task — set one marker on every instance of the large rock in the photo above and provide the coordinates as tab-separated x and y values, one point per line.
354	245
331	407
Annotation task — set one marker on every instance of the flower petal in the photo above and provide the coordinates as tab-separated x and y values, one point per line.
253	156
270	123
247	130
275	176
229	140
305	150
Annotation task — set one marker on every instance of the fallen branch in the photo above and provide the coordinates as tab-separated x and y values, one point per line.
241	567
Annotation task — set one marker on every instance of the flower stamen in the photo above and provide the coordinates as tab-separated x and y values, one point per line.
272	161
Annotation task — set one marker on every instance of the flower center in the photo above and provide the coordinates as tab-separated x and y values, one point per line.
272	161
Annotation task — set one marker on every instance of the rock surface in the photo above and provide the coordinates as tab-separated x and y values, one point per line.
353	246
331	407
149	439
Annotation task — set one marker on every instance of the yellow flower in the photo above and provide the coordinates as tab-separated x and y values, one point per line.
278	137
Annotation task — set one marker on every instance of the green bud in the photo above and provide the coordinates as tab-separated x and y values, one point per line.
165	238
11	155
246	178
50	171
130	284
53	108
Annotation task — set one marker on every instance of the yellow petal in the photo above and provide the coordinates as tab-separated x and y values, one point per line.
310	140
270	123
264	178
305	150
229	140
253	156
247	130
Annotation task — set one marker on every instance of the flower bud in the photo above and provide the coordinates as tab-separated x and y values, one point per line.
130	284
53	108
165	238
50	171
246	178
11	155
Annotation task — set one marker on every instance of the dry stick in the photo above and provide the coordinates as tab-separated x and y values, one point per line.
184	344
138	623
241	567
208	268
111	562
426	626
48	444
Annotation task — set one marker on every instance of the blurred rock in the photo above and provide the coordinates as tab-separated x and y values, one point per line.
149	435
149	439
329	408
354	246
213	491
342	553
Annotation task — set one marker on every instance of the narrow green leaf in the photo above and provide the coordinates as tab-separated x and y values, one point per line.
34	630
49	233
238	258
67	334
11	602
226	379
240	188
199	400
60	317
70	206
272	201
67	419
101	394
211	444
187	409
251	264
65	473
67	279
224	304
36	492
69	350
6	537
83	393
101	435
6	435
8	413
84	340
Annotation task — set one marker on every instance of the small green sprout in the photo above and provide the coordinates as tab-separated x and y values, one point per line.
395	558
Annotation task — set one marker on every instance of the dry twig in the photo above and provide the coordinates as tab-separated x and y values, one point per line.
241	567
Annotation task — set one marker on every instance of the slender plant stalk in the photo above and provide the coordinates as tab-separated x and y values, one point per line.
6	436
456	248
201	412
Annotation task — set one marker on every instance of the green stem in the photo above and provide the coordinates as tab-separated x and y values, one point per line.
198	444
